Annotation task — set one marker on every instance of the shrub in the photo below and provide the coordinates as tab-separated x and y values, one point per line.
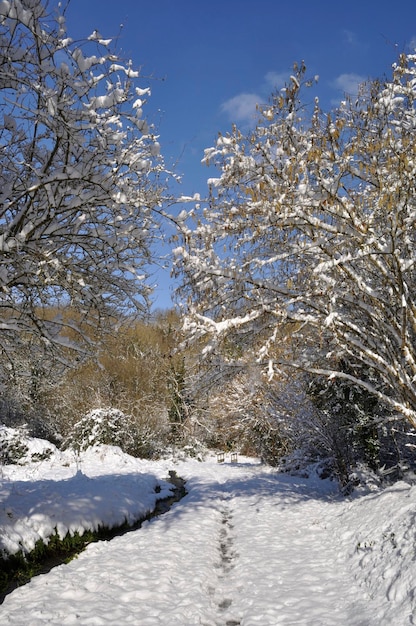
111	426
100	426
12	445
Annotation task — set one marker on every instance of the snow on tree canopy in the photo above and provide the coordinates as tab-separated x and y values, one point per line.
80	190
309	242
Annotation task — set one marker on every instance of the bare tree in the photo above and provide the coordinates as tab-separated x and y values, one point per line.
310	234
80	182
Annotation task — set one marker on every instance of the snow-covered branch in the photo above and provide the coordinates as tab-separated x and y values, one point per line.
80	180
309	234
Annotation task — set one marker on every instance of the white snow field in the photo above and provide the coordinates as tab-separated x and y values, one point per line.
247	546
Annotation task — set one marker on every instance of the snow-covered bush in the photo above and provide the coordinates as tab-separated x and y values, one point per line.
132	375
111	426
353	428
100	426
346	424
17	412
12	445
17	447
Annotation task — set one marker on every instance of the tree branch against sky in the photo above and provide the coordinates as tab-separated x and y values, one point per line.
81	180
307	221
204	58
311	228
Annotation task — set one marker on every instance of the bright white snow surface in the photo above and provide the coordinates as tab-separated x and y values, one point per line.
247	546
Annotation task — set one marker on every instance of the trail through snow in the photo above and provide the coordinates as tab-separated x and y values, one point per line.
247	546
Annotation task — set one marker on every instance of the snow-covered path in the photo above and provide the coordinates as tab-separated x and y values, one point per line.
246	546
293	559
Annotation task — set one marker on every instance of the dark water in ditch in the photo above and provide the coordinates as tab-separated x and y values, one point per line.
16	571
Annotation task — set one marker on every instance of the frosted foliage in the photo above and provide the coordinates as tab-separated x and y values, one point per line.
79	170
101	426
310	230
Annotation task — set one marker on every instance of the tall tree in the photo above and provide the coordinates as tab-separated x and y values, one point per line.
80	181
311	227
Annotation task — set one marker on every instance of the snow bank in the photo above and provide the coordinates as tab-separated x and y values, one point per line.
246	547
378	534
68	493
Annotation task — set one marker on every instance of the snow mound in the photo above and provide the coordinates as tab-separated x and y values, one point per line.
71	493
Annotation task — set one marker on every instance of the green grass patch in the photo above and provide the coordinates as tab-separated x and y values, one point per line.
17	569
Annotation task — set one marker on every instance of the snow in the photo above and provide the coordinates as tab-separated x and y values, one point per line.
105	488
246	546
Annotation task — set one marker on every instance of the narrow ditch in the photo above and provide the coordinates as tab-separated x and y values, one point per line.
17	569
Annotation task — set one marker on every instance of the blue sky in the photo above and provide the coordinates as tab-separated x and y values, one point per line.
211	62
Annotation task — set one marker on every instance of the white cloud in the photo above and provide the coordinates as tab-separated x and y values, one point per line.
349	83
276	80
412	43
241	108
350	37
